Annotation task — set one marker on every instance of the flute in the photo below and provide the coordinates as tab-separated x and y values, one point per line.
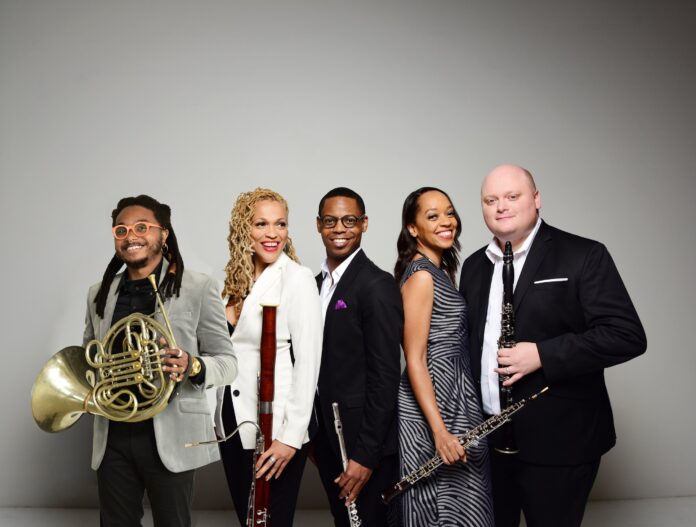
353	517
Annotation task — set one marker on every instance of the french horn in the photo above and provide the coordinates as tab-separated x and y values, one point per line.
119	377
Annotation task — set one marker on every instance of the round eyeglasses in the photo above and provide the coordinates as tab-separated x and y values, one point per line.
140	228
349	221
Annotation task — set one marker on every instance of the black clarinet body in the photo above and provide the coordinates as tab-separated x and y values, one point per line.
507	340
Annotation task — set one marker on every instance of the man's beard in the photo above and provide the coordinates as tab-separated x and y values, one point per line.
139	264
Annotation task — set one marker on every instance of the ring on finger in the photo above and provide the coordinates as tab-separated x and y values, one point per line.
272	459
507	370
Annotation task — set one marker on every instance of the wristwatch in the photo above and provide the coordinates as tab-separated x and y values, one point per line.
196	367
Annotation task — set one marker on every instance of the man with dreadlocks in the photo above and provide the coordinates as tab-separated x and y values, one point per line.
131	458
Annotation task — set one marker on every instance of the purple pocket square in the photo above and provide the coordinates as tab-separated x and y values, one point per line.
340	304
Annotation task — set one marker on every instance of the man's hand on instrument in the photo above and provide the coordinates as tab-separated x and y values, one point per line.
448	447
352	480
518	361
175	361
274	460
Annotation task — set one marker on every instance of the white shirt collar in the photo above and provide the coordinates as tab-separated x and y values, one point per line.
494	252
338	272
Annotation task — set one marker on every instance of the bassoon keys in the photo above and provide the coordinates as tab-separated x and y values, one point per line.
259	513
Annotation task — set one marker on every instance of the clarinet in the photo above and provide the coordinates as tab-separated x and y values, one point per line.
507	340
472	437
353	518
258	513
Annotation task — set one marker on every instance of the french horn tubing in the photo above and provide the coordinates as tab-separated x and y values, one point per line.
119	377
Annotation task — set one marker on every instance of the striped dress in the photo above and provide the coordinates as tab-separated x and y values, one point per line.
459	494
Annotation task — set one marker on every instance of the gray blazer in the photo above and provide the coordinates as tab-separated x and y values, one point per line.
200	328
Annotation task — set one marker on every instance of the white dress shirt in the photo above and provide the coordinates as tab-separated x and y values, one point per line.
489	357
330	280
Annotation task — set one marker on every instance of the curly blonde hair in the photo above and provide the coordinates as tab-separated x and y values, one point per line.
240	268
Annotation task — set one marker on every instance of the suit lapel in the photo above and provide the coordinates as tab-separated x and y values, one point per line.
484	290
105	323
265	291
344	285
540	246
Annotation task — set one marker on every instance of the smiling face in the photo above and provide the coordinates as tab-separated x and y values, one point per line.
510	203
141	253
340	241
269	233
435	225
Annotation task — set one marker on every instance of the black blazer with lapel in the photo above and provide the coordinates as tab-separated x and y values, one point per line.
360	363
581	326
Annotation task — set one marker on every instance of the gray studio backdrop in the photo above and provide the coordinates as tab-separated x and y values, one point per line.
194	102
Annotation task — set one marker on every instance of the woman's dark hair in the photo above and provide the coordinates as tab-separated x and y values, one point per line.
407	245
171	284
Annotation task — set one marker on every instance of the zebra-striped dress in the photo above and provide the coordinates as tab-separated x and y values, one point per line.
459	494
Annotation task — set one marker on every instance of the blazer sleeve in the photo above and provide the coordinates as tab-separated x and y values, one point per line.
306	330
613	332
382	320
214	342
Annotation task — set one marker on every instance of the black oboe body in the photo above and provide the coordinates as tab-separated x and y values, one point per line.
507	340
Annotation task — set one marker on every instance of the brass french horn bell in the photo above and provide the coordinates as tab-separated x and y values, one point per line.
119	378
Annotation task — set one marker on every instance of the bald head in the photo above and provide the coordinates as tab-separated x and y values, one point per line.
510	171
510	203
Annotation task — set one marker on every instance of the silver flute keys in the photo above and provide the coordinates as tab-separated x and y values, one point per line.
353	517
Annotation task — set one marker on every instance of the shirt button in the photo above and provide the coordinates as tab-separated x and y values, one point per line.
235	393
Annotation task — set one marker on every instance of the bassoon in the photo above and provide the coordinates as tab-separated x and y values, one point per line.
507	340
259	513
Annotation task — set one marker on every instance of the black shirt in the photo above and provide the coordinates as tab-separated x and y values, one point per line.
137	296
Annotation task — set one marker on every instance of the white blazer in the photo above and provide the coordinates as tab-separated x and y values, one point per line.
298	321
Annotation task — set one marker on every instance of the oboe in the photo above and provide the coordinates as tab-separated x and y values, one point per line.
507	340
353	517
472	437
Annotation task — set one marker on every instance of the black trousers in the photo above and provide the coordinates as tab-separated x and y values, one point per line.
132	466
239	469
549	496
371	510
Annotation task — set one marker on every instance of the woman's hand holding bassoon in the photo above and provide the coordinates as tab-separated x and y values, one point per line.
273	461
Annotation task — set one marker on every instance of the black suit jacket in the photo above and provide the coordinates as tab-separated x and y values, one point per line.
360	363
580	325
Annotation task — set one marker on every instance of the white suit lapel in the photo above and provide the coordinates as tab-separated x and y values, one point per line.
267	289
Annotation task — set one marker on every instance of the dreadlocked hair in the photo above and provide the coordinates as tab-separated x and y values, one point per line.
239	270
171	284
